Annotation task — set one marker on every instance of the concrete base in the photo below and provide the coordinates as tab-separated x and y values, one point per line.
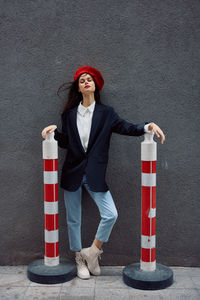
40	273
134	277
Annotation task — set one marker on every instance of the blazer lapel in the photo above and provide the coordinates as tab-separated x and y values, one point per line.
96	118
75	128
94	126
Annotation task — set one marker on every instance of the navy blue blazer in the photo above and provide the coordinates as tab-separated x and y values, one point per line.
105	121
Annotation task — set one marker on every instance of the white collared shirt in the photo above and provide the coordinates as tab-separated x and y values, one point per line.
84	122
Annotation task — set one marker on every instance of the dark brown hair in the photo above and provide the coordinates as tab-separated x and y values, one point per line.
74	96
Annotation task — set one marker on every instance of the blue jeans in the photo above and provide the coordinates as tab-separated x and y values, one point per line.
106	207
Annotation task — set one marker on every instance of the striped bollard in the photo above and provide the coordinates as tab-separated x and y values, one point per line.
148	207
50	165
148	275
51	269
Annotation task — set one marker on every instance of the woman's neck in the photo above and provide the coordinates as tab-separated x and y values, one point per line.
87	99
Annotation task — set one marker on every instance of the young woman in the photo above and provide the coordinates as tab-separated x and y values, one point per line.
87	126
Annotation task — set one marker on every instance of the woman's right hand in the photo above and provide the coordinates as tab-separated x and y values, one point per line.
48	129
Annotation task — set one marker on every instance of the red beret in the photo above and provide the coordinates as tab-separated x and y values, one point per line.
92	71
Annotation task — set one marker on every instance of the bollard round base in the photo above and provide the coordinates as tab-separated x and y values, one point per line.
40	273
134	277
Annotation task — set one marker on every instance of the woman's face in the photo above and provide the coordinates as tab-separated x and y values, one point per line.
86	84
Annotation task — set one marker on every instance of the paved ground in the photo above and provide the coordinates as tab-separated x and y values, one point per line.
14	284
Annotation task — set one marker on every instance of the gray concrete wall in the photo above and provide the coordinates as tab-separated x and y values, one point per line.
148	53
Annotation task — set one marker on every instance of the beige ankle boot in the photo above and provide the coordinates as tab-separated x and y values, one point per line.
82	270
91	255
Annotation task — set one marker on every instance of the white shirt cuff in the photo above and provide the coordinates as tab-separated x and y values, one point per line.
146	128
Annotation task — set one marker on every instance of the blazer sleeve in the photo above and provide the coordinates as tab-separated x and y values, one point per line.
123	127
61	135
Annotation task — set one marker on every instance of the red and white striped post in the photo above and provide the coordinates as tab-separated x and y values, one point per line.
51	269
50	164
148	275
148	203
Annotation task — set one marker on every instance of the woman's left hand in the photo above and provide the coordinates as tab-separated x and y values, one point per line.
157	130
